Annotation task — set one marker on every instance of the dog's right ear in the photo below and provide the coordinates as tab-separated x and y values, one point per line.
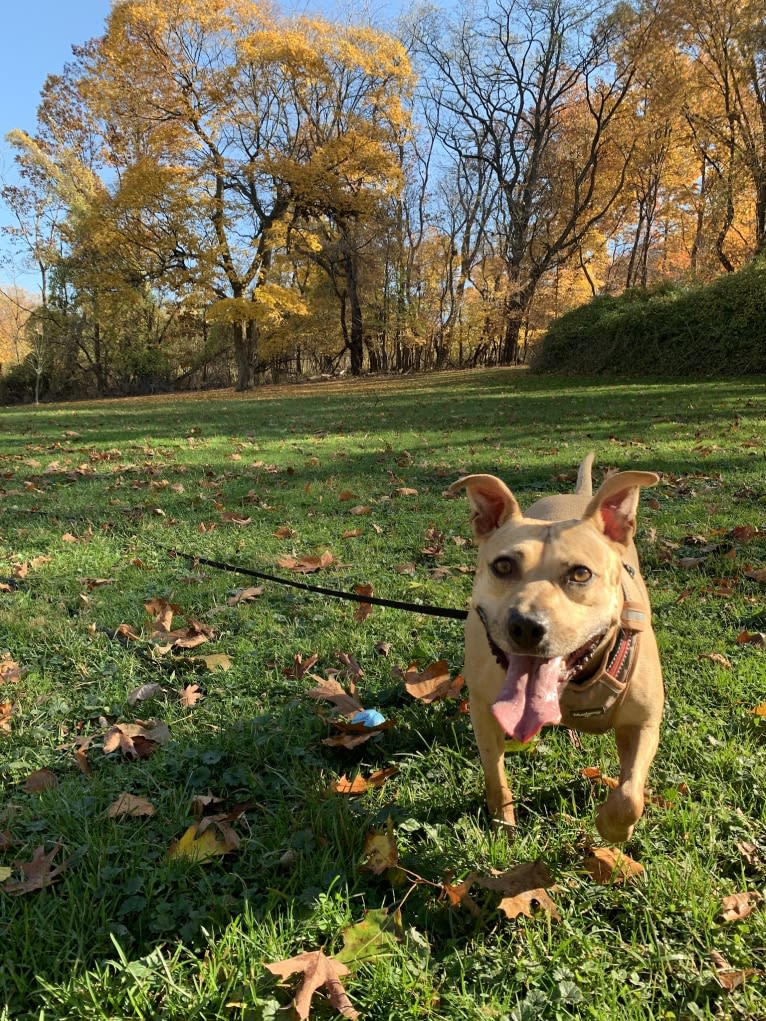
492	502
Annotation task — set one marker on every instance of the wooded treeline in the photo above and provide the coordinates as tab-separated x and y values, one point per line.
216	192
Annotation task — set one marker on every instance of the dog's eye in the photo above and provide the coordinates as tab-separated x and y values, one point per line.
580	574
503	567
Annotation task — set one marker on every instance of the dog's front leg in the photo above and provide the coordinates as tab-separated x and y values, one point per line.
490	737
636	747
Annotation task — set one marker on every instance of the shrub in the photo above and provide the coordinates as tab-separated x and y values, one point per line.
713	330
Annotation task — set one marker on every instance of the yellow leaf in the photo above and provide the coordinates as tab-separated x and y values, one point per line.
198	847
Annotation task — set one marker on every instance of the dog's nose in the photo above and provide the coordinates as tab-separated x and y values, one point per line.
526	632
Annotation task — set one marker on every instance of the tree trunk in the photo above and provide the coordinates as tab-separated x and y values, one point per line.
244	353
356	343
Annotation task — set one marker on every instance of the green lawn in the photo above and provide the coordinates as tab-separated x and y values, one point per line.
91	497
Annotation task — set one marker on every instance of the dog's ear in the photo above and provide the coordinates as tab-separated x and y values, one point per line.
613	509
492	502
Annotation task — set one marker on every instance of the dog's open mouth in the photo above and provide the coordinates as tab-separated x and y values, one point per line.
529	699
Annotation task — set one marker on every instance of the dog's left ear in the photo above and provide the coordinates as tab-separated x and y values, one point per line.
613	508
492	502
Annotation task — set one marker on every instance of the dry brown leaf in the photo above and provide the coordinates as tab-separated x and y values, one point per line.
306	564
433	683
730	978
737	906
215	661
136	740
350	664
300	667
751	638
129	805
126	631
756	574
458	895
524	889
144	692
331	690
717	657
609	866
38	873
360	784
190	695
40	780
363	610
348	740
6	709
318	970
594	773
245	595
10	671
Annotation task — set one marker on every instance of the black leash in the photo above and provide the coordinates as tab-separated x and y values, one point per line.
355	597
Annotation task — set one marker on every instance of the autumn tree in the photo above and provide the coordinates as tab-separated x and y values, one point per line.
507	79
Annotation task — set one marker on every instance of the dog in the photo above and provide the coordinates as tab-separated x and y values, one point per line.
559	632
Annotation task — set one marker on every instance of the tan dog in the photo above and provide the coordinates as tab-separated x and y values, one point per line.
559	631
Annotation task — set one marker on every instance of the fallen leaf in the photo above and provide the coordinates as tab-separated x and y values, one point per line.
363	610
6	708
38	873
524	889
751	638
360	784
215	661
129	805
318	970
233	518
350	664
458	895
190	695
730	978
760	710
717	657
378	931
245	595
136	740
609	866
40	780
144	692
10	671
198	845
433	683
332	691
380	850
737	906
758	575
306	564
594	773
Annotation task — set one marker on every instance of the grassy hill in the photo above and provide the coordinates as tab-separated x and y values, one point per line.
713	330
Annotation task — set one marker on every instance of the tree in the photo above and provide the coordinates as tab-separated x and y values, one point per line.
531	92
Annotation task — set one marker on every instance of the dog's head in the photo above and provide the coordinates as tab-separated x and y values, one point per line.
549	593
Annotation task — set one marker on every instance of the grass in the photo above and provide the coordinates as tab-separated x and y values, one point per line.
100	490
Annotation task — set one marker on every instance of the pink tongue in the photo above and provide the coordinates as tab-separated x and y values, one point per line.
530	696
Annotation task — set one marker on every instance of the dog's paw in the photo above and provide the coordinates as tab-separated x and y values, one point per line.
613	831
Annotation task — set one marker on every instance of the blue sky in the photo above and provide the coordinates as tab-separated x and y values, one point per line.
39	35
38	41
